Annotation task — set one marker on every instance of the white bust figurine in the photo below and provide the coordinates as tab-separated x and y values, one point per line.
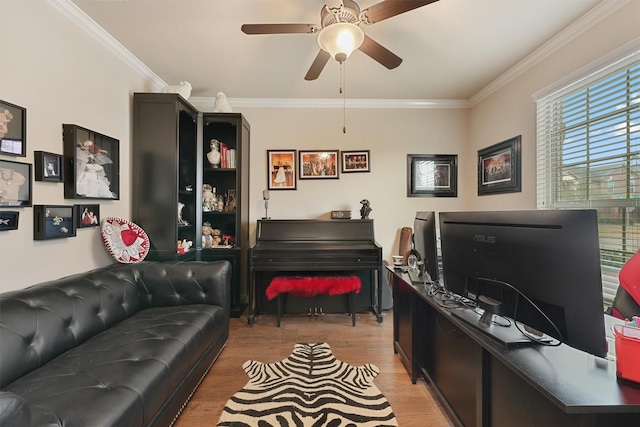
213	156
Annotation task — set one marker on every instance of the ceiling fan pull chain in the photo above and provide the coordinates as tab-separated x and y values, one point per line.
344	98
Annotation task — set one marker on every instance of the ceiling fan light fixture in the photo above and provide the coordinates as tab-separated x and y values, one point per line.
340	40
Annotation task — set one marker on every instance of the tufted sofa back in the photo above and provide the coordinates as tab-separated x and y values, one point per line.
43	321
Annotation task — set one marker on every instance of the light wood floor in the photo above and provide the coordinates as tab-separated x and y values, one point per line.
367	342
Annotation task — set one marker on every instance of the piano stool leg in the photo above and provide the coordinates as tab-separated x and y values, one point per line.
279	310
352	308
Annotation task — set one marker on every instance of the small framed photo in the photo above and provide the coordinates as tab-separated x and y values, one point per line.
53	222
281	167
13	129
319	164
355	161
499	168
432	175
48	166
9	220
231	200
15	184
91	164
87	216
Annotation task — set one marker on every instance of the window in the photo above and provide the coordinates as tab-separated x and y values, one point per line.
588	144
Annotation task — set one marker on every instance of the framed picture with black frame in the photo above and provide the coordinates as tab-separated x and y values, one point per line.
53	222
281	167
15	184
432	175
355	161
91	164
49	166
318	164
9	220
87	216
13	129
499	168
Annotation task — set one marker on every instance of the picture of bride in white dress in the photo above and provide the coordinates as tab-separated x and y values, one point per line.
92	181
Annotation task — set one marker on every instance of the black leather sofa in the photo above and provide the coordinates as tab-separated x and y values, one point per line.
123	345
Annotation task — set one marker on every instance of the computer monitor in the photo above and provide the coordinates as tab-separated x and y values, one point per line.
507	260
425	245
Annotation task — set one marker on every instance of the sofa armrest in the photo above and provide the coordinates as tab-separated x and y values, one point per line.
14	411
187	282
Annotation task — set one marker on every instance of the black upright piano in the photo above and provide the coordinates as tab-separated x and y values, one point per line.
284	245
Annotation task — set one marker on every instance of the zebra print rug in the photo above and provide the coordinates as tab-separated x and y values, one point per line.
309	388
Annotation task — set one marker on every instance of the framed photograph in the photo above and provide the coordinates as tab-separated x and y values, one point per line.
9	220
232	200
13	129
91	164
319	164
281	167
499	167
432	175
355	161
15	184
48	166
87	216
53	222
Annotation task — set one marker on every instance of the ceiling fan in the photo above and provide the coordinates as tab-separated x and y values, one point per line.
339	33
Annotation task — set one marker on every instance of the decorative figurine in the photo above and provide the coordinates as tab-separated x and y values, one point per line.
213	156
181	220
365	210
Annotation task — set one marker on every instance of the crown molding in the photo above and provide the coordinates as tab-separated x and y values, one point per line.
83	20
585	22
206	103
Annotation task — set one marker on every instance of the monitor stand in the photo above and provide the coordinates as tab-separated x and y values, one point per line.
508	336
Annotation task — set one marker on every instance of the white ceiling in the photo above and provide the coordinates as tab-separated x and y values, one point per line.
451	49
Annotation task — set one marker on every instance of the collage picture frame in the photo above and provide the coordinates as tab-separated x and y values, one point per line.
53	222
319	164
355	161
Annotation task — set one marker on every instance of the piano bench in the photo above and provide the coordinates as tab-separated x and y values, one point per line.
310	286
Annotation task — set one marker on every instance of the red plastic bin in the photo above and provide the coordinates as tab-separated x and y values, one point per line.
627	339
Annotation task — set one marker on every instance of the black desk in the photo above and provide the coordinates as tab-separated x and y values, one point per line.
481	383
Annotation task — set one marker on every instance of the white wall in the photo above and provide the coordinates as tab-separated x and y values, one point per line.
63	75
389	134
60	74
511	110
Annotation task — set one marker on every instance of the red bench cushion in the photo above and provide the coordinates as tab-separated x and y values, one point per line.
310	286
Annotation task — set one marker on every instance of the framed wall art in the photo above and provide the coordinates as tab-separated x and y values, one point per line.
281	167
15	184
13	129
432	175
318	164
355	161
499	167
48	166
9	220
91	164
87	216
53	222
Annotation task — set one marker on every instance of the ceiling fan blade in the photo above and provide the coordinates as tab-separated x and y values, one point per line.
318	65
279	28
380	53
390	8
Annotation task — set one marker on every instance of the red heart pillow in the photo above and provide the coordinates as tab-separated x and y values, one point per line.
126	241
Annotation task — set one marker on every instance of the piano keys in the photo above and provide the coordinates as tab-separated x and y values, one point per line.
289	246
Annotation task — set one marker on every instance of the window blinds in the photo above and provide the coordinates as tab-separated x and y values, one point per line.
588	156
